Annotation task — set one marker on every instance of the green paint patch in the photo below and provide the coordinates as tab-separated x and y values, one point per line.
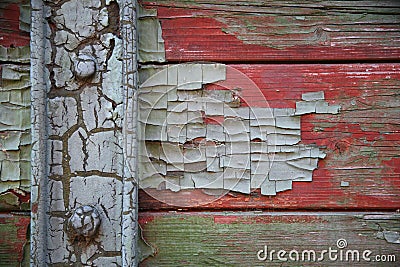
225	30
318	129
13	232
249	25
8	200
369	153
197	240
14	200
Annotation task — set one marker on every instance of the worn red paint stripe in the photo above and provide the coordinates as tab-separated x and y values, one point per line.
10	33
192	34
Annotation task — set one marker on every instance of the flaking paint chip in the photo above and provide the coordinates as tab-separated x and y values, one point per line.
242	112
213	165
208	180
313	96
303	107
213	73
172	75
237	148
215	132
214	108
195	130
344	184
283	185
283	112
190	76
288	122
185	95
268	188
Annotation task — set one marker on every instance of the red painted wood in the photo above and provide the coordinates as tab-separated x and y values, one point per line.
279	31
362	142
10	33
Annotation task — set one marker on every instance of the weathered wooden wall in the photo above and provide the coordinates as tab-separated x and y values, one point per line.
14	132
347	49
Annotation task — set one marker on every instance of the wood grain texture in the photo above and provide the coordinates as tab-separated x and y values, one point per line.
14	245
361	142
279	30
233	239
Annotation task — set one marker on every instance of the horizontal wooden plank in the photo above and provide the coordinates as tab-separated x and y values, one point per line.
362	166
279	31
235	239
14	23
14	245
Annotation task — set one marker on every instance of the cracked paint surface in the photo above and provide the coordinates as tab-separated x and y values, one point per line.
197	138
81	82
15	137
15	140
150	42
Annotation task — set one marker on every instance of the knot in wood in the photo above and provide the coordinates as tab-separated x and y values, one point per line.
84	222
85	66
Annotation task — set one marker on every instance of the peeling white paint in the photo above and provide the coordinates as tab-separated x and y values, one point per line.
151	44
248	148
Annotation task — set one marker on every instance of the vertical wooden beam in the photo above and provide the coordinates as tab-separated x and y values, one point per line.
130	186
39	195
84	194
